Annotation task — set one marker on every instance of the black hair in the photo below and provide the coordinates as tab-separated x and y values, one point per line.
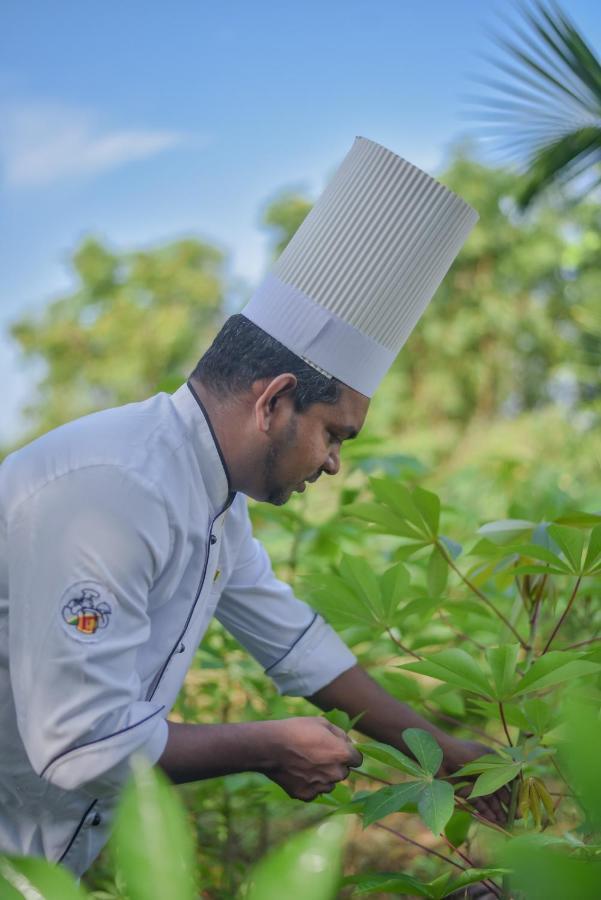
242	353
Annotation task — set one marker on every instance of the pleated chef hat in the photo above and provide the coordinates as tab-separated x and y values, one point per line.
354	280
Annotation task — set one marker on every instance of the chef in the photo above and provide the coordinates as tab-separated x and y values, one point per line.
123	533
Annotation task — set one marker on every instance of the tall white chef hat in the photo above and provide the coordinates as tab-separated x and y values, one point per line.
354	280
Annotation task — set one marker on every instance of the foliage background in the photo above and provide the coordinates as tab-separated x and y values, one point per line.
495	404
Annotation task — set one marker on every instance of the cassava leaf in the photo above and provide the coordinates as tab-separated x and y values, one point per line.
435	805
454	667
390	799
554	667
384	753
494	778
502	662
425	748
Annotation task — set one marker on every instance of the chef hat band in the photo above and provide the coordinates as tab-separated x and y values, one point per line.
351	285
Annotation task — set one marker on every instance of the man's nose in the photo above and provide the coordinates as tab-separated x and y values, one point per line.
332	466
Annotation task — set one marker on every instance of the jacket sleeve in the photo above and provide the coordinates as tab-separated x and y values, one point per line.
297	648
84	550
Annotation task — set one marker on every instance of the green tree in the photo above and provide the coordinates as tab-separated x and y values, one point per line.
545	112
135	323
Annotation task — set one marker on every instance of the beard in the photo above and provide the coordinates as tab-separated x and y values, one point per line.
275	491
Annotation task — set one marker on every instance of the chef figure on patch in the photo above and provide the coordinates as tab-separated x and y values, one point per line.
86	612
123	533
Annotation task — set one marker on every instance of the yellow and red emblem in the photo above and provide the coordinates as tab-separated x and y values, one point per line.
86	609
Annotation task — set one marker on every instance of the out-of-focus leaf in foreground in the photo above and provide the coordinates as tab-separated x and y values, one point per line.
306	867
153	839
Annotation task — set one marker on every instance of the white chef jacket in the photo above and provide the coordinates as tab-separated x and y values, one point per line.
120	538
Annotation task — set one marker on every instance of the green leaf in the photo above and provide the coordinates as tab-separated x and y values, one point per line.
337	602
386	520
494	778
428	505
398	498
305	867
458	826
390	799
384	753
482	764
502	662
425	749
436	804
473	876
358	574
437	572
394	586
388	883
554	667
401	686
38	879
542	871
536	551
571	542
593	553
504	531
454	667
340	718
579	519
153	839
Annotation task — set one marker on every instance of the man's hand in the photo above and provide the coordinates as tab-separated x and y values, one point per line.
459	753
308	756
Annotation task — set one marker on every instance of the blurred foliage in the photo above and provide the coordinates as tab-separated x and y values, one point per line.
133	324
491	413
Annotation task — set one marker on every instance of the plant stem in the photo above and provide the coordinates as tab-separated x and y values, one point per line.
472	865
478	593
582	643
504	721
564	614
402	646
429	850
470	809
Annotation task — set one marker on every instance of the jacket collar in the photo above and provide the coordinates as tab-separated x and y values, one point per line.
205	445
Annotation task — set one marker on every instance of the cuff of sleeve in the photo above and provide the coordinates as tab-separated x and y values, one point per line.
316	659
101	767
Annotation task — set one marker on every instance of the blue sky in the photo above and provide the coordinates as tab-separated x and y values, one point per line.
142	122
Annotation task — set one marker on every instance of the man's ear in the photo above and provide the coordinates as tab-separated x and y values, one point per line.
269	396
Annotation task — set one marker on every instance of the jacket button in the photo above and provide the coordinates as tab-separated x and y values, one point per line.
213	539
96	820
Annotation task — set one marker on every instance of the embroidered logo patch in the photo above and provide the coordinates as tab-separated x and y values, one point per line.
85	609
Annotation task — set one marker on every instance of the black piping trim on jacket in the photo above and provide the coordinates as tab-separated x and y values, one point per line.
78	829
214	436
290	649
99	740
230	499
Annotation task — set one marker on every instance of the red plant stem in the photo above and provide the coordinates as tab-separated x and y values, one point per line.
472	865
470	809
504	721
409	840
564	614
479	594
583	643
402	646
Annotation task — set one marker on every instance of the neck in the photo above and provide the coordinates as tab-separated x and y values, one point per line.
228	418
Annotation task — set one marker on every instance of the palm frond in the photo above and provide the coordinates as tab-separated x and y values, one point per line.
545	112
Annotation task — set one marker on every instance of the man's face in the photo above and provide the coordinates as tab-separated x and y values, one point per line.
309	444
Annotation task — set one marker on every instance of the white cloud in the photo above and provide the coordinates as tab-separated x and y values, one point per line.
44	143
